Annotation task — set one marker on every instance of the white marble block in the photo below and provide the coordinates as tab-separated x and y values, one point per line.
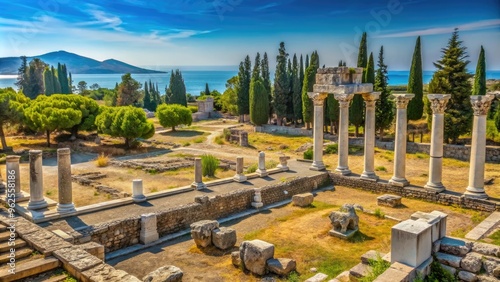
148	228
411	242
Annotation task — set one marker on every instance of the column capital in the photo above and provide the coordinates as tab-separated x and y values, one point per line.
402	100
370	98
317	98
343	99
438	102
481	104
12	158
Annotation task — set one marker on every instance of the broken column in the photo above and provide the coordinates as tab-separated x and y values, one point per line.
343	135
257	198
138	191
12	165
65	185
438	105
239	177
261	171
148	232
198	177
283	163
480	104
37	200
398	179
369	168
318	101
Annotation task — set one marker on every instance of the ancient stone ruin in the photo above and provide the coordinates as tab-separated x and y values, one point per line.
345	222
257	256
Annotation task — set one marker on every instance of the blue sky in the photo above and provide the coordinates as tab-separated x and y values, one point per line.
223	32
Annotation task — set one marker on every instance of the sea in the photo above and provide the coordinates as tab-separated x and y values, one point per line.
195	80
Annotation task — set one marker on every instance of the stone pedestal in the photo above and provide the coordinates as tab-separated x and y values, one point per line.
65	185
138	191
398	179
318	101
198	177
438	105
283	163
343	140
36	181
239	177
411	242
257	199
148	232
480	105
369	169
12	164
261	171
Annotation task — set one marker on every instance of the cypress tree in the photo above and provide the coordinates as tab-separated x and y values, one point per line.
48	81
301	73
266	80
289	100
207	90
480	77
415	85
70	83
307	86
55	80
369	74
307	62
356	111
296	90
259	104
281	84
176	92
363	53
256	68
244	88
147	97
22	74
333	113
384	107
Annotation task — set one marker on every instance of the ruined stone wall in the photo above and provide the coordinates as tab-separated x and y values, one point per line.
416	193
283	191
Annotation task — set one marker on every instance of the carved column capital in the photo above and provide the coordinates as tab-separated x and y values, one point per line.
438	102
318	98
370	98
344	99
481	104
402	100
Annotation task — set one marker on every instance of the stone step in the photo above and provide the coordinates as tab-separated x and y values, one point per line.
29	268
5	235
18	243
456	247
484	227
371	255
58	278
448	259
20	253
360	270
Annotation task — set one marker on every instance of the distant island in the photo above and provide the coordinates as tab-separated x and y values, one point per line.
75	64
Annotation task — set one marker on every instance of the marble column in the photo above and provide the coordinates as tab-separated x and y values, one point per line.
198	175
138	191
37	201
239	177
261	171
12	164
438	105
65	186
343	136
480	105
368	172
318	101
398	179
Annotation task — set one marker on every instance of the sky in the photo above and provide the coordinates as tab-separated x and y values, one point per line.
222	32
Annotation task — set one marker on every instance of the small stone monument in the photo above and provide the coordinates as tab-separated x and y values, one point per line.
345	222
283	163
137	191
148	228
261	171
239	177
243	139
257	199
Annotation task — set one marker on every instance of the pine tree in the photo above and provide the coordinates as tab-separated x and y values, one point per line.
307	86
452	78
480	77
356	110
266	80
207	90
35	85
384	107
415	85
281	84
128	91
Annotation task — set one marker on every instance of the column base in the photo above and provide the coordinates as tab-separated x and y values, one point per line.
368	175
283	167
37	205
343	170
66	208
401	182
139	198
21	197
199	185
475	193
317	166
437	187
261	173
240	178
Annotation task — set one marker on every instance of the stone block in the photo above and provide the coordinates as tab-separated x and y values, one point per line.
397	272
168	273
281	266
201	232
224	238
65	236
254	255
455	247
319	277
389	200
442	222
471	262
371	256
433	220
425	268
448	259
303	200
490	264
29	268
449	269
235	258
485	249
148	232
46	242
94	249
76	260
106	273
467	276
360	270
411	242
343	277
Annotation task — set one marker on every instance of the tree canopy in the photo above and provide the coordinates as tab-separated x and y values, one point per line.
173	115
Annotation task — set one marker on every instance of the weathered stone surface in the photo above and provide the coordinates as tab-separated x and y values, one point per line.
490	264
106	273
371	255
167	273
345	219
224	238
235	258
254	255
389	200
467	276
471	262
486	249
343	277
281	266
450	269
319	277
46	241
486	278
455	247
201	232
448	259
303	200
436	246
496	272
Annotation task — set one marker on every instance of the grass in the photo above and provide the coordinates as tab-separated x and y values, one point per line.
308	154
495	238
379	266
269	164
102	160
219	140
209	165
380	168
379	213
262	141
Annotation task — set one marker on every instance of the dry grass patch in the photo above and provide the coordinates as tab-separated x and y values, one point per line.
263	141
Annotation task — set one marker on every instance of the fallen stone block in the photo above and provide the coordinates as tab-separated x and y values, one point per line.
201	232
319	277
281	266
371	255
167	273
303	200
389	200
235	258
472	262
254	255
224	238
486	249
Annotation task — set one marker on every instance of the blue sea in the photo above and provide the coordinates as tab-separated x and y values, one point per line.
195	79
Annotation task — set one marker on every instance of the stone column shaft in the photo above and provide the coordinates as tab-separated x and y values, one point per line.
65	185
318	101
438	106
480	105
261	171
12	164
37	200
198	175
138	191
343	136
398	178
369	173
239	177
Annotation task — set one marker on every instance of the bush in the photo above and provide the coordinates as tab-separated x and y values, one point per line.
439	274
380	168
253	168
209	165
102	160
308	154
332	148
173	115
193	109
379	213
379	266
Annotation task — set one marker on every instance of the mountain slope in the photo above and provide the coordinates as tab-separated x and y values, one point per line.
75	64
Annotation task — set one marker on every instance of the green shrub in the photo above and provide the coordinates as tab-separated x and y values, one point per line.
193	109
293	277
252	168
332	148
308	154
209	165
379	213
379	266
439	274
380	168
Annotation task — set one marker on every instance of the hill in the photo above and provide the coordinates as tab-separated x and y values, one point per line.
75	64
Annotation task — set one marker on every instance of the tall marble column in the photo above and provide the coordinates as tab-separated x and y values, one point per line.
319	101
36	181
438	105
343	139
65	186
398	179
12	164
368	172
480	105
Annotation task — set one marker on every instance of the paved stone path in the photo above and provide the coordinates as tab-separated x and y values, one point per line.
484	227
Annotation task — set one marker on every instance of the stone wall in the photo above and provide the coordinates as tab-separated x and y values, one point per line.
283	191
447	198
283	130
